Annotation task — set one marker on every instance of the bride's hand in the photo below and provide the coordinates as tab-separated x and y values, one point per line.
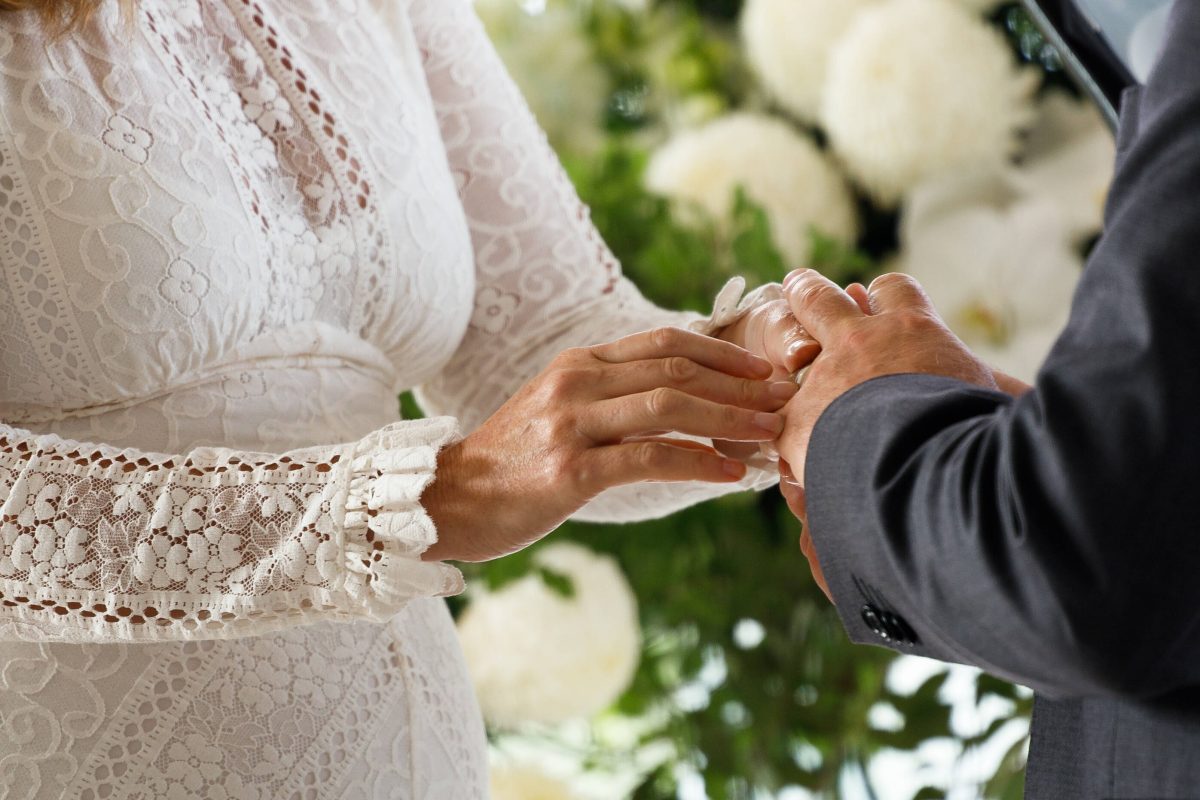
588	422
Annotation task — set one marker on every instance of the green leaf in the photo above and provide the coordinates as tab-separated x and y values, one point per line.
557	582
753	249
409	408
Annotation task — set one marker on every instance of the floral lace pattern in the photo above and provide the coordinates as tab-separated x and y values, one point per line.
230	232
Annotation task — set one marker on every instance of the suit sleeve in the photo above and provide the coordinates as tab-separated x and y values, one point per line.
1055	539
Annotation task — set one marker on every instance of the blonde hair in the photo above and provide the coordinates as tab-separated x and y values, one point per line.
61	15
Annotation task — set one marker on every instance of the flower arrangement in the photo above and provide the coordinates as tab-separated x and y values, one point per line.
545	652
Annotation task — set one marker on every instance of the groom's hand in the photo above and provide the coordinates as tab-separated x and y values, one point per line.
897	332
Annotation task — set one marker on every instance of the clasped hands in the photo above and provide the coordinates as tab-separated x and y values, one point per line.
612	414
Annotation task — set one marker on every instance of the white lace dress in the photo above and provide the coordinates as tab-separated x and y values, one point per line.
230	232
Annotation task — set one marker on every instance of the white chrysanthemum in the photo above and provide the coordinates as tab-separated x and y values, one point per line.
788	42
1068	160
1000	267
780	170
552	62
537	656
920	87
526	783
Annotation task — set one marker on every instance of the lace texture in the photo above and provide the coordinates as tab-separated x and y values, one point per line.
102	544
230	233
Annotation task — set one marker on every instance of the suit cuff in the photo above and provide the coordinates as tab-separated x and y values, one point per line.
859	538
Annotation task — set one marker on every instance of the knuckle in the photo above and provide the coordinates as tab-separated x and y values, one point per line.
679	369
563	427
749	392
917	322
733	418
810	293
580	477
560	384
894	279
575	355
652	456
666	338
565	470
663	401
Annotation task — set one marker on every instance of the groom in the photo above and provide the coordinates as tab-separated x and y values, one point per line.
1051	535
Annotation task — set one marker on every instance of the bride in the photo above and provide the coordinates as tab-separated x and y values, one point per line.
231	231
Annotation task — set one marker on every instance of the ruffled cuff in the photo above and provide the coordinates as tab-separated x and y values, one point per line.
386	527
730	305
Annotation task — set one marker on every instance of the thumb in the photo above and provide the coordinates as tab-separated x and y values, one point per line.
898	292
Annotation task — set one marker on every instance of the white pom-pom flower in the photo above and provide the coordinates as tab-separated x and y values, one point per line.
787	44
527	783
536	655
779	169
921	87
999	266
1068	160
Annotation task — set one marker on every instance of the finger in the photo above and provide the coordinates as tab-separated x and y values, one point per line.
655	460
897	292
739	450
794	496
668	342
783	339
686	444
792	491
617	419
814	564
859	294
677	372
819	304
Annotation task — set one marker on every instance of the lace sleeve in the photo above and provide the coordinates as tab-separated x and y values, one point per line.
545	281
99	543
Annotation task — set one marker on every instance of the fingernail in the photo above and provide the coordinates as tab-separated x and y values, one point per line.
733	468
797	346
771	423
782	390
791	277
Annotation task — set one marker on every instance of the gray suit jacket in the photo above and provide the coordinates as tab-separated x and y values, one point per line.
1054	540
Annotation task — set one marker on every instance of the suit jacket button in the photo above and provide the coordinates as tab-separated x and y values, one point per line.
896	628
871	617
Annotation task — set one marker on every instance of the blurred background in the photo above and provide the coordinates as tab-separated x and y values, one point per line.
693	657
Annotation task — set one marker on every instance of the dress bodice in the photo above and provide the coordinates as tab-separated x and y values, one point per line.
208	192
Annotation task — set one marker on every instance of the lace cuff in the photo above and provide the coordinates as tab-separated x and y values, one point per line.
730	305
386	527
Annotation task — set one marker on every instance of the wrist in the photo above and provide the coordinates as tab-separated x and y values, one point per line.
443	500
464	506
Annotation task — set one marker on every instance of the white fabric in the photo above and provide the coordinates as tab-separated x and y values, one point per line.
230	232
